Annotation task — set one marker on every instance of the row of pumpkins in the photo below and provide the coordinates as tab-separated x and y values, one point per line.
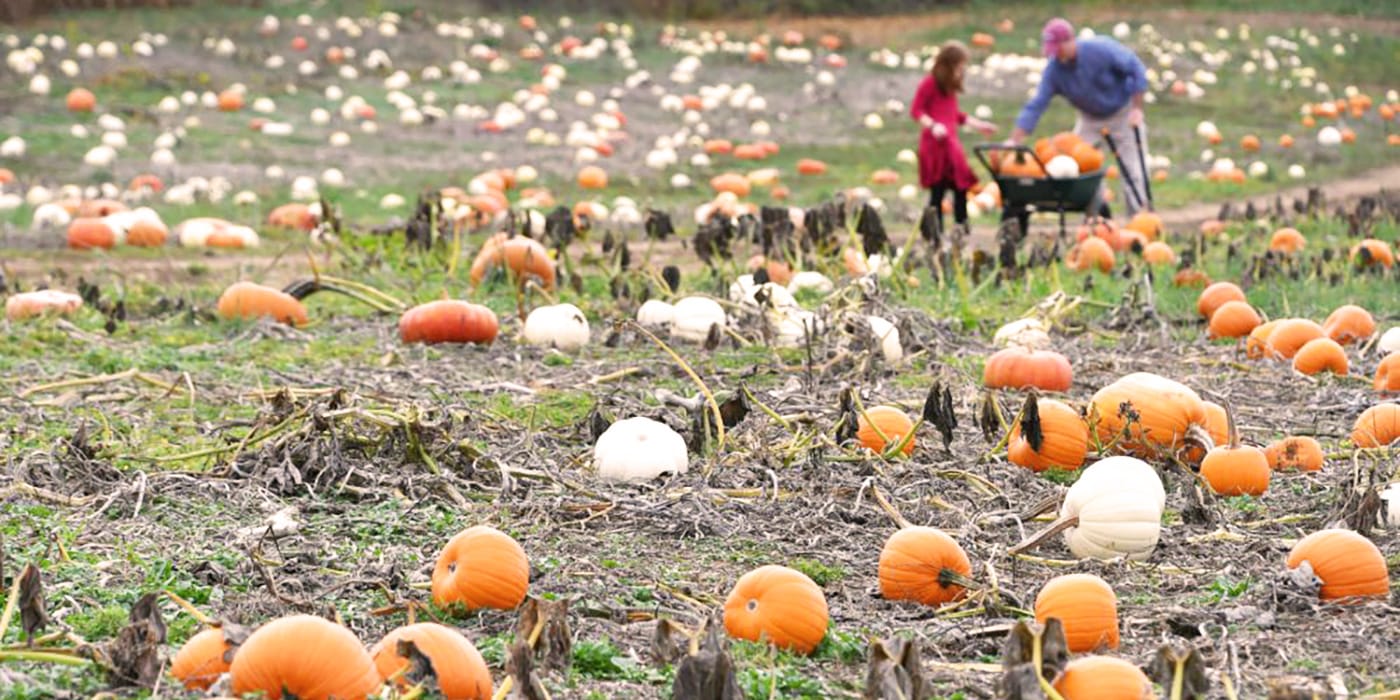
483	568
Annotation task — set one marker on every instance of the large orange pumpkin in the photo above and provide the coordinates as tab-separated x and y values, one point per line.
481	567
1372	252
1290	335
1349	323
304	656
1388	374
448	321
457	666
1019	368
1018	164
89	233
1377	426
525	258
1064	439
147	234
1287	241
1321	355
913	565
1087	608
1089	254
249	300
1103	678
780	605
891	422
1349	565
202	659
1090	159
1164	411
1215	296
1158	253
1233	319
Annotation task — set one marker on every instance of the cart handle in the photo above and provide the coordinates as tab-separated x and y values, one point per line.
982	148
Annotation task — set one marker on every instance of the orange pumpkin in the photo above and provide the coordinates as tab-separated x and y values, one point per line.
1349	323
1250	143
524	257
1285	141
1256	347
733	183
1164	410
145	181
147	234
983	40
1371	252
1295	452
294	215
1233	469
719	147
1064	439
202	659
1103	678
1090	159
249	300
1018	164
1087	608
1321	355
749	151
1349	565
1065	141
1388	374
891	422
1190	277
1148	224
779	272
88	233
592	177
780	605
448	321
1290	335
1377	426
230	101
40	303
810	166
1158	253
98	208
884	176
1100	228
481	567
1233	319
1287	241
6	176
306	657
1089	254
915	565
81	100
1212	228
1214	296
453	661
1019	368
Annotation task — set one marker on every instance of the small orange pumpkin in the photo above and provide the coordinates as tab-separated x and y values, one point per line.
1215	296
1287	241
884	176
203	658
1233	319
81	100
1256	346
779	272
1377	426
1090	159
1190	277
249	300
1091	253
1349	323
1349	565
780	605
1147	223
916	564
230	101
1020	368
734	183
891	422
307	657
88	233
719	147
1295	452
1388	374
453	661
1064	438
1087	608
524	257
983	40
1290	335
592	177
1321	355
1372	252
1158	253
294	215
1103	678
810	166
1250	143
481	567
147	234
1233	469
1285	141
448	321
1018	164
40	303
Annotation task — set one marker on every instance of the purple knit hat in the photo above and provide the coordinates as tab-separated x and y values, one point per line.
1056	32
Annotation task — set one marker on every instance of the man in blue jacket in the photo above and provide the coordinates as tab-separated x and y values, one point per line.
1105	82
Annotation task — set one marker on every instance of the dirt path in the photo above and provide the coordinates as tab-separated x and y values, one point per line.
1338	190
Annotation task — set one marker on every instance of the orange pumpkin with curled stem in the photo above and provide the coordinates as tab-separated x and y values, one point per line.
1298	452
304	656
448	321
1377	426
1349	565
453	661
1048	435
1321	355
1349	323
1388	374
203	658
887	421
525	258
1234	469
1087	608
779	605
1290	335
923	565
1234	319
1215	296
1018	368
481	567
249	300
1103	678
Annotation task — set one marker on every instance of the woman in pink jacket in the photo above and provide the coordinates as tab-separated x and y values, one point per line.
942	163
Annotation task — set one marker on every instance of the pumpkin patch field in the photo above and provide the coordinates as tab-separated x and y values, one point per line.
408	350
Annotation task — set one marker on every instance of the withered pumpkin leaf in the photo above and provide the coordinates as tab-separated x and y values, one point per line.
33	614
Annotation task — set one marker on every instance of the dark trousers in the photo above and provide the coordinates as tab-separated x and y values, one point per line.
935	200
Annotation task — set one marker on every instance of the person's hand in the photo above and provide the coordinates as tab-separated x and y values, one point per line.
940	132
983	127
1135	117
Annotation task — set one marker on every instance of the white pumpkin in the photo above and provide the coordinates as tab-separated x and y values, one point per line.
1391	510
50	215
1029	333
887	335
694	316
1389	342
656	314
810	279
743	291
1119	503
791	326
1062	167
562	326
1329	136
639	449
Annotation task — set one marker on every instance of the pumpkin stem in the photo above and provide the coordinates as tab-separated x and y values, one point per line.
700	383
1056	527
191	609
301	289
1199	436
1232	430
947	577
